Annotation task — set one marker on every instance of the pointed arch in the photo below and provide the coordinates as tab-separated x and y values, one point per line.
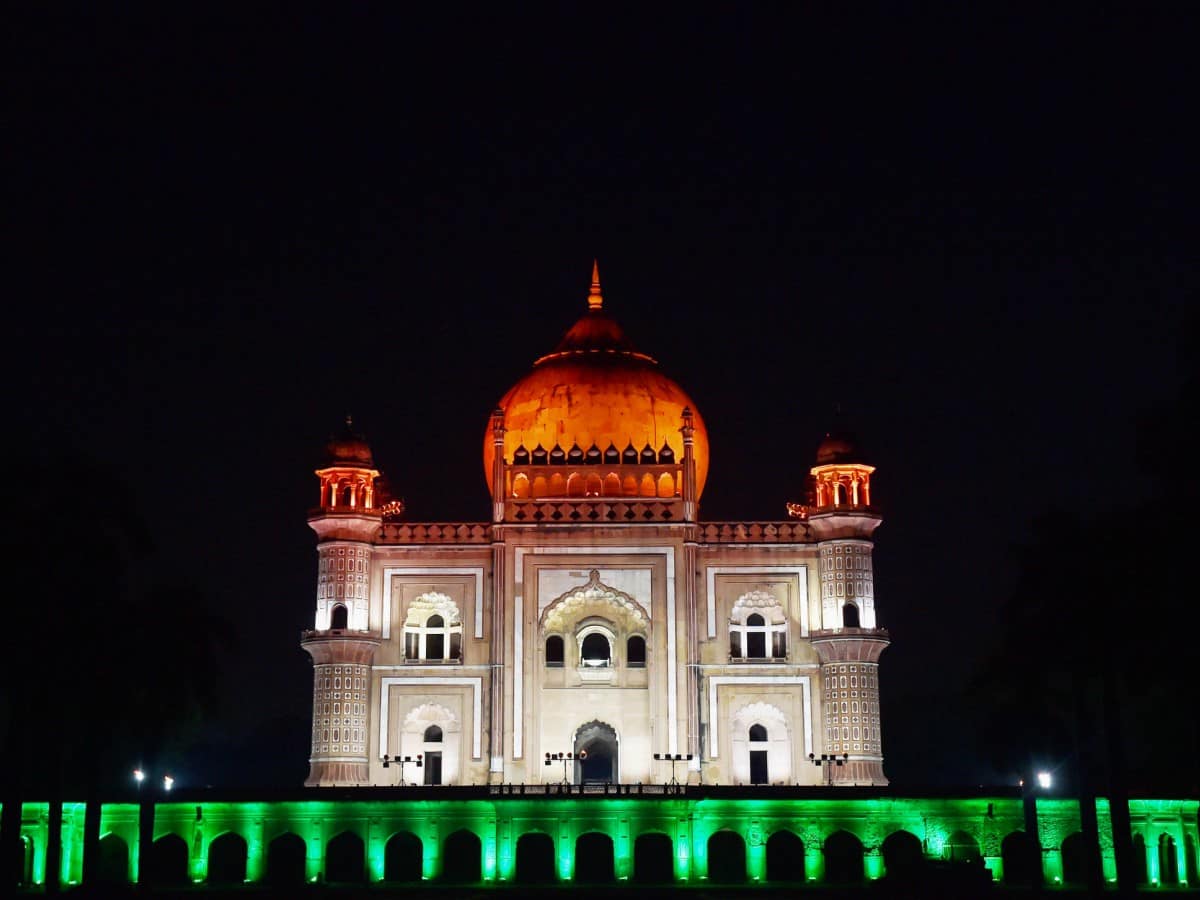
726	858
594	858
785	857
535	859
466	851
902	853
227	856
345	859
598	599
653	858
286	859
168	862
843	858
403	857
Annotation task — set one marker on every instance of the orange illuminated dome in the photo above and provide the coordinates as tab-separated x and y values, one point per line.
596	394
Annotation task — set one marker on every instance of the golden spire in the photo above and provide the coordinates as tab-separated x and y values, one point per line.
595	301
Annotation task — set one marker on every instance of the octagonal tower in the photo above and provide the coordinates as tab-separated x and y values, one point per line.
341	644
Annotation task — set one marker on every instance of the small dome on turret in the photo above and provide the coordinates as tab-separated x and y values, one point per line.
839	447
348	448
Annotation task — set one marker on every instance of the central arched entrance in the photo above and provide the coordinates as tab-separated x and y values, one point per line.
596	754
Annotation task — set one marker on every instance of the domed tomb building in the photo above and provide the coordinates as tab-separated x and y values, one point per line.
597	629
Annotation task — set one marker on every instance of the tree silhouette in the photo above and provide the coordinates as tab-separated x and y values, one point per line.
1087	668
110	663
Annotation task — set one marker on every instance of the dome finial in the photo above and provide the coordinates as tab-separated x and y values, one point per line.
595	301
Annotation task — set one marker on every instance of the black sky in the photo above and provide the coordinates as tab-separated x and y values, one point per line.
972	230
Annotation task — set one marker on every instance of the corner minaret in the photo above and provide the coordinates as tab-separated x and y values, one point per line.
341	645
848	641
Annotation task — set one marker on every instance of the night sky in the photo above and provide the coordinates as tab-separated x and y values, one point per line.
971	231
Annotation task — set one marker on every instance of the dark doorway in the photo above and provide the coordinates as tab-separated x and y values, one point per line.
285	859
168	861
435	646
433	767
113	864
1141	874
535	859
1168	860
597	768
599	741
962	847
653	859
785	857
344	859
758	767
726	858
26	850
843	858
227	859
594	858
635	652
554	652
1016	853
902	853
1074	868
462	858
595	651
339	618
402	857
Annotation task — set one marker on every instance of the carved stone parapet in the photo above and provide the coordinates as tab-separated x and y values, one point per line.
754	533
435	533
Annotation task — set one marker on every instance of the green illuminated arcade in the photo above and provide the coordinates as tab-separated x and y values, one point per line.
499	835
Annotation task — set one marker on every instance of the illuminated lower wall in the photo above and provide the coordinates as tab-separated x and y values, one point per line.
746	830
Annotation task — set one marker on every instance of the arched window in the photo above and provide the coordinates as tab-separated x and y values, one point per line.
595	651
339	617
433	735
850	616
758	733
666	485
521	489
759	635
433	630
648	487
554	651
635	652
